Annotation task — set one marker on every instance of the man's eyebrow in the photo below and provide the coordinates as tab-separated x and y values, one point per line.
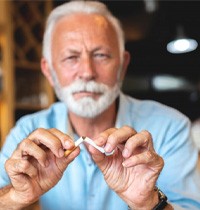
75	51
97	48
100	48
72	50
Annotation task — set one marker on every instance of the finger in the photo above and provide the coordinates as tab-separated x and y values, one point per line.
28	148
100	141
102	138
76	144
20	166
63	162
69	151
137	143
94	150
48	139
118	136
97	156
72	153
146	157
66	140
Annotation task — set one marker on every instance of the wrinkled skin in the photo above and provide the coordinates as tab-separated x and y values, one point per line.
38	164
134	168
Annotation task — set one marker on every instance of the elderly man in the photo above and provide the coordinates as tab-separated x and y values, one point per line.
117	163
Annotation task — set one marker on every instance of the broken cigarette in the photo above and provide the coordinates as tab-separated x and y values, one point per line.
89	141
77	143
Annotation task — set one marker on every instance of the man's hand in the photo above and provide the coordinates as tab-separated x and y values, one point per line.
38	164
133	169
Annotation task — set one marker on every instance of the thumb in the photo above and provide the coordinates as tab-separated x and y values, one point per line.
99	158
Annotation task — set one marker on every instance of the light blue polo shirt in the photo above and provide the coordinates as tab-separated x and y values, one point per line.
82	186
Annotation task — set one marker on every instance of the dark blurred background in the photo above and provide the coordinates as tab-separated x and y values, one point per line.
154	73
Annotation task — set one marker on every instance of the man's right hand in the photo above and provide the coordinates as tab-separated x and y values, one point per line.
38	164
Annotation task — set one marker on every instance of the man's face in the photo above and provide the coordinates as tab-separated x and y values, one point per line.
85	51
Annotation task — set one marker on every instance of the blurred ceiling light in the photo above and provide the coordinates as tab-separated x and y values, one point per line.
170	83
181	44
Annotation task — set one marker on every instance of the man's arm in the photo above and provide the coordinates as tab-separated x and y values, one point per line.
6	201
36	165
132	171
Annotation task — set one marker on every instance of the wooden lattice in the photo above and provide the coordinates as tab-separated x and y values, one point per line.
28	27
29	18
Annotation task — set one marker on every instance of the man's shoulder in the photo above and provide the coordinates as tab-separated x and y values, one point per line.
152	108
44	117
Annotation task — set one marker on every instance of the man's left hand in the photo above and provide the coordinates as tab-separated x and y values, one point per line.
133	169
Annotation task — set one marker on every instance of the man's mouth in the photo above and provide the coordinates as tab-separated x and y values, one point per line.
81	94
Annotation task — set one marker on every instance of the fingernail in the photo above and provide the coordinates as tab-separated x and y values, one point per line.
125	152
108	148
68	144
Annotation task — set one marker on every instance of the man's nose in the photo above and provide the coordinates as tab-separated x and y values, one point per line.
87	69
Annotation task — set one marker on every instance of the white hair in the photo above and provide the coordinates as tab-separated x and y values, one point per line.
73	7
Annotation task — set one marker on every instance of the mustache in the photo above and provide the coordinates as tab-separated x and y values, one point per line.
90	86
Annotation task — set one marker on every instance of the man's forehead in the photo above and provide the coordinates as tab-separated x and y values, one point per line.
84	31
80	25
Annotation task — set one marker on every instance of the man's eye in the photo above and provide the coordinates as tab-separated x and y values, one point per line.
101	55
72	57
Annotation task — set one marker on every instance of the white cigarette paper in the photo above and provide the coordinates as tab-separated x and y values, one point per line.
89	141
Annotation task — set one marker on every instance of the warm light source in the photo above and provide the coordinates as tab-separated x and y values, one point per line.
1	72
0	79
181	44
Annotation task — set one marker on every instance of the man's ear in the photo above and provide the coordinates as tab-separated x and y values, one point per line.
126	61
46	71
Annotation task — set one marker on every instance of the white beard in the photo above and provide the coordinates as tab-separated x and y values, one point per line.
87	106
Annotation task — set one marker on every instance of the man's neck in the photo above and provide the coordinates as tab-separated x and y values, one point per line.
91	127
